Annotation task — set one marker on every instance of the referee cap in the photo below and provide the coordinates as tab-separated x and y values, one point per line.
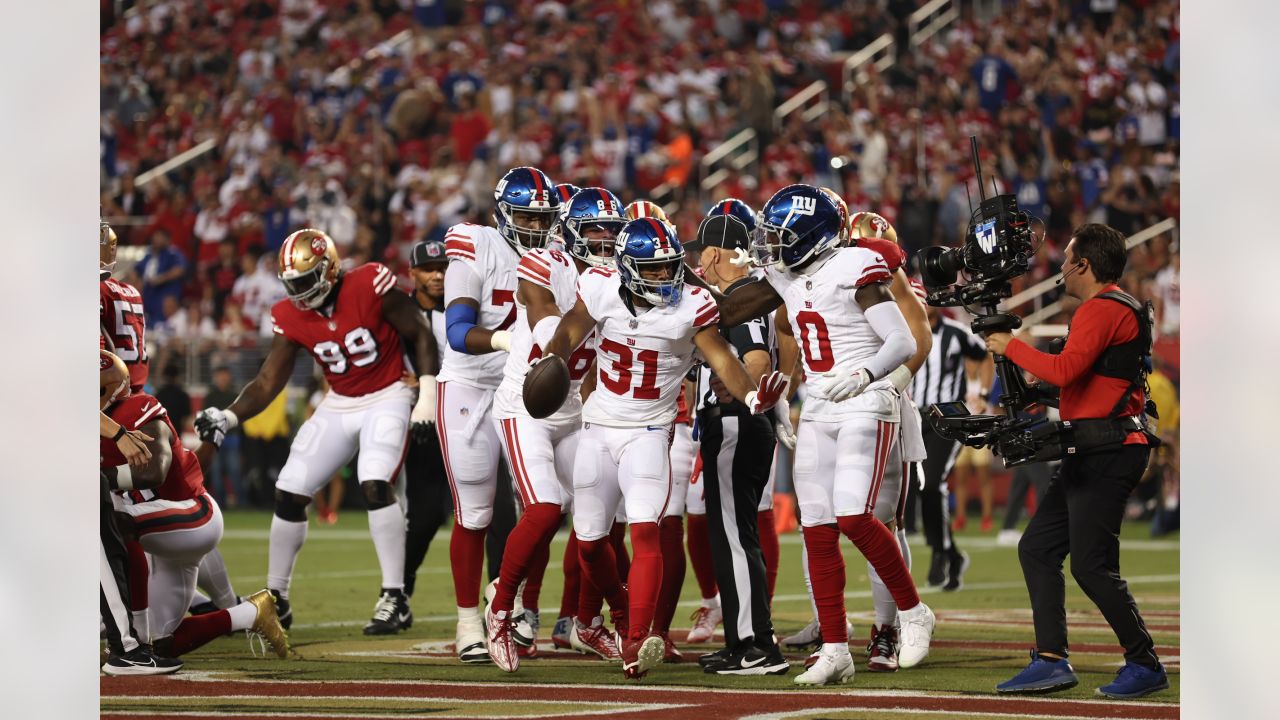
722	231
427	251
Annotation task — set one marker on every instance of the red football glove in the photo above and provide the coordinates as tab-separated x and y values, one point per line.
772	387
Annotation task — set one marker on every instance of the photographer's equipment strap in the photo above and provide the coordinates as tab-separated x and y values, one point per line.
1129	360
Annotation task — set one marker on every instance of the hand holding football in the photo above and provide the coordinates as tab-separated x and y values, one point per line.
546	386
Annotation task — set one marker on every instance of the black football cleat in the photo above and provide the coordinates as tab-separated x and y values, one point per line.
142	660
390	615
283	612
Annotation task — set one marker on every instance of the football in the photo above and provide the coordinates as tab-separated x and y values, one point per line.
546	386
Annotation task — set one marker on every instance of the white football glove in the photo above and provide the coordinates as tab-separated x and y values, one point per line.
213	424
842	383
425	409
782	426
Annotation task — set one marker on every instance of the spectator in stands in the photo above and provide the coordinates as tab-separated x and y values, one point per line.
162	270
174	397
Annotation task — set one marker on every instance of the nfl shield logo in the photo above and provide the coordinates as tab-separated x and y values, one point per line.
633	323
808	284
333	325
986	234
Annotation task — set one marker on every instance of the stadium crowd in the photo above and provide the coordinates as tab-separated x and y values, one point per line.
385	122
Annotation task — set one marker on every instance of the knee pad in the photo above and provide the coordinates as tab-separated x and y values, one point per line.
378	494
291	507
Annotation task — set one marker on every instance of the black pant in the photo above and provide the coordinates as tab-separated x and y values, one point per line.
1080	514
430	502
737	452
1024	478
113	591
934	516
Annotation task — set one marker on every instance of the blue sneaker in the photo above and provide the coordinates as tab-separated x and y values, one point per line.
1041	676
1135	681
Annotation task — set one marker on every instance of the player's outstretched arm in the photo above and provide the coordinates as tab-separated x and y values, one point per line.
726	365
404	316
752	300
788	352
571	331
213	424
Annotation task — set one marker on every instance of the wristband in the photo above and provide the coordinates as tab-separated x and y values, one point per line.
232	420
124	477
119	434
500	340
900	377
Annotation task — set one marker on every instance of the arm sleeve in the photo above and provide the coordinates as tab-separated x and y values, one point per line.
1091	331
459	319
899	345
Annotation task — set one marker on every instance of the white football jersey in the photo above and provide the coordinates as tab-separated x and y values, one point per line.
832	331
555	271
484	252
641	359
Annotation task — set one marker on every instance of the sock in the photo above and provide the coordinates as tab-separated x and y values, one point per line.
836	648
826	570
711	602
804	565
881	598
572	578
671	539
531	535
599	579
618	536
700	556
645	580
466	556
199	630
537	569
282	552
242	615
386	525
214	579
880	548
769	547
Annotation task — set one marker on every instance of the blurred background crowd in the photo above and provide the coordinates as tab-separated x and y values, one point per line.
226	124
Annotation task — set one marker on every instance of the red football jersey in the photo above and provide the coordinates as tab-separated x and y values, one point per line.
120	311
887	249
185	480
361	352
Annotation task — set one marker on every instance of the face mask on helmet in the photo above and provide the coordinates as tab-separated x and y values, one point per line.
590	224
308	290
526	208
794	228
525	228
659	282
308	268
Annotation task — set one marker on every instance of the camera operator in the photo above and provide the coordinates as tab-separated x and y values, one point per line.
1101	375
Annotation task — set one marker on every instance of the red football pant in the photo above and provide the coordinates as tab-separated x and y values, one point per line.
671	537
769	546
528	543
466	556
700	556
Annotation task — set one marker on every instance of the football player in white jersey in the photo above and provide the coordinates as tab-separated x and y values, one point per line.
480	309
648	325
540	452
852	336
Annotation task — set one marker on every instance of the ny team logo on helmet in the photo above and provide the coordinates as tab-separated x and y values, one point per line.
592	208
528	191
735	208
309	267
648	246
797	224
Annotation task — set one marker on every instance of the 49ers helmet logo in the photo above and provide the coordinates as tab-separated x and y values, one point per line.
318	245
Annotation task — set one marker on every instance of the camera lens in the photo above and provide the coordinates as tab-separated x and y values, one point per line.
940	265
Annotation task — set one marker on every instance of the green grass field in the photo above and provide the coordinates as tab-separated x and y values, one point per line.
982	636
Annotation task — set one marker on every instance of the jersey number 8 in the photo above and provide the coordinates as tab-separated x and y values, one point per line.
361	348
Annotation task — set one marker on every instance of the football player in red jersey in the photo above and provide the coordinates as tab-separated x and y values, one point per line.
174	519
120	312
352	325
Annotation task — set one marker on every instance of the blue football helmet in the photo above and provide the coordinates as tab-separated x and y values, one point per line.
566	191
529	192
592	208
650	246
798	223
733	207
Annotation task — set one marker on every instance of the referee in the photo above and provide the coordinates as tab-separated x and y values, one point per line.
943	379
737	453
426	485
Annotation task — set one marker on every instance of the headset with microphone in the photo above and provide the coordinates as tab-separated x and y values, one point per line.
1074	269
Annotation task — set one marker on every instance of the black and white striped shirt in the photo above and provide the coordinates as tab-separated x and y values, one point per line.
942	378
754	334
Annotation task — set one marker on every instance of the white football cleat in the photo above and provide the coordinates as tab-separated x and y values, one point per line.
469	640
705	620
502	646
595	640
834	665
915	631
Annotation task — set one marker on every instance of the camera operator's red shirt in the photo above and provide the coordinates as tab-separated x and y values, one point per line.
1097	325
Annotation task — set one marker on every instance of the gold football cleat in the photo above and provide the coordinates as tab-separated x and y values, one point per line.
267	624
